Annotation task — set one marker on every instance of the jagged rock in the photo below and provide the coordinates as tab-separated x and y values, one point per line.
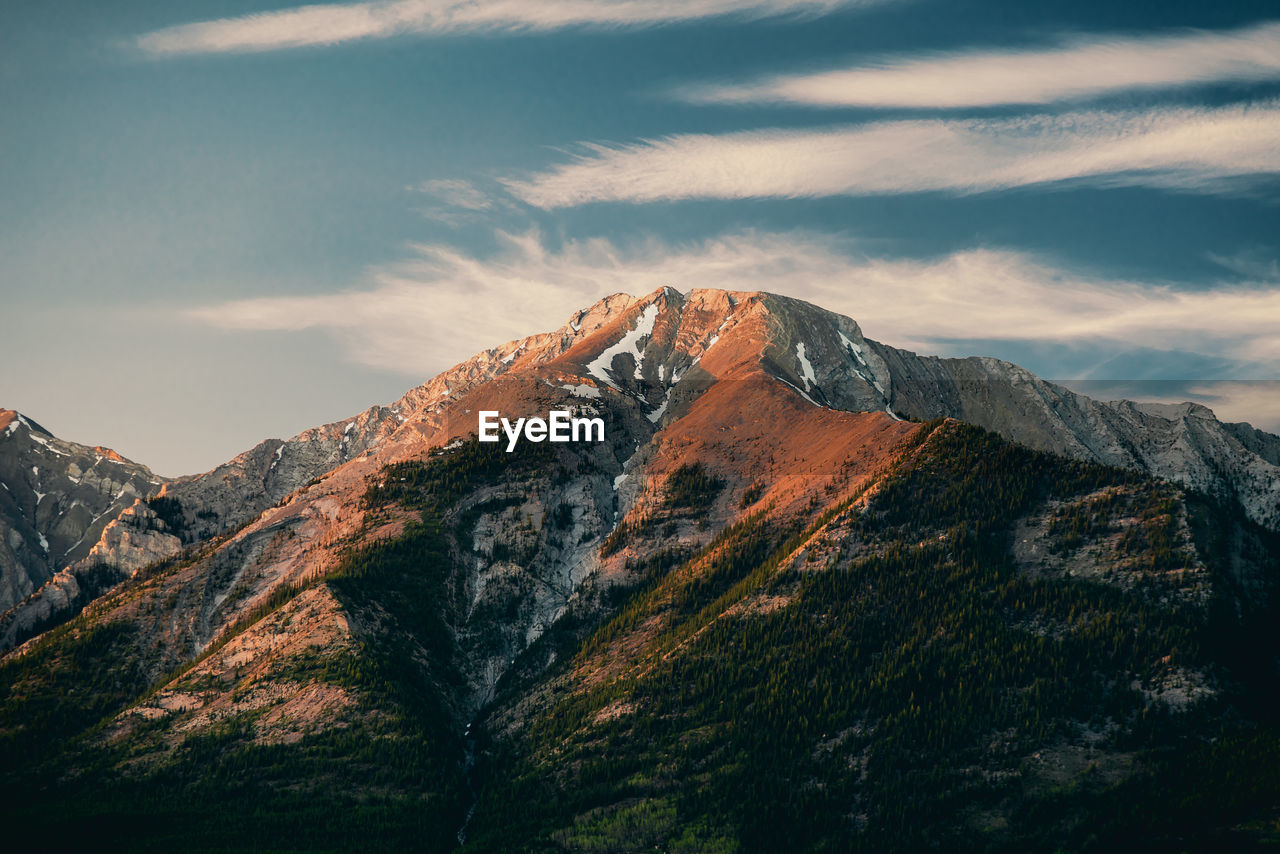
56	497
132	540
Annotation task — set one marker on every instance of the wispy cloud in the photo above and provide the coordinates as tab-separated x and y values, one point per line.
1188	149
421	315
455	192
1260	263
329	24
455	202
1091	66
441	306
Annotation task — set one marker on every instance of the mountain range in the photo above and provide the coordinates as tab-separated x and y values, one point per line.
811	591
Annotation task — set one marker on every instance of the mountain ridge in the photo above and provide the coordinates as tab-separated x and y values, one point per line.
385	618
693	341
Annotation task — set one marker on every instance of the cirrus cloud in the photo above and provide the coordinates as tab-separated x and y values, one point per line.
1083	67
1190	149
330	24
440	306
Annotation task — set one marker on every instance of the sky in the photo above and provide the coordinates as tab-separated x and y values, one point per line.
224	221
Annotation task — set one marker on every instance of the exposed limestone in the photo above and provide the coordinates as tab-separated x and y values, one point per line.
133	540
56	497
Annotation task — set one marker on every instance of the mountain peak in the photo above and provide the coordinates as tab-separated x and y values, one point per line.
587	320
11	418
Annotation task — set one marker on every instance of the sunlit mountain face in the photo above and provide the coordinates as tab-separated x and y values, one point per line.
223	223
802	590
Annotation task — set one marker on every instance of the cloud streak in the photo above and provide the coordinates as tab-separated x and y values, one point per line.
330	24
441	306
454	192
1084	67
1199	150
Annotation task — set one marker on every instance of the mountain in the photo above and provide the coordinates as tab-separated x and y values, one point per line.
822	356
976	648
57	499
766	599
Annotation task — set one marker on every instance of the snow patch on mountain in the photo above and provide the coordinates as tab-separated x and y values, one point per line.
36	437
798	391
660	411
806	368
629	343
850	346
582	390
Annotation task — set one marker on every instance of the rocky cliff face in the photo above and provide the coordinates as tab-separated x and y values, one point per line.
56	498
1184	443
826	359
135	539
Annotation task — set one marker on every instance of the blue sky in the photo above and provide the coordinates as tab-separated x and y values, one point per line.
224	221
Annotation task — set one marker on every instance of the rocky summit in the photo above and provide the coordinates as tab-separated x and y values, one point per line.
809	591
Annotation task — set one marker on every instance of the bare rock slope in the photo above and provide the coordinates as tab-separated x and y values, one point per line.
652	367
